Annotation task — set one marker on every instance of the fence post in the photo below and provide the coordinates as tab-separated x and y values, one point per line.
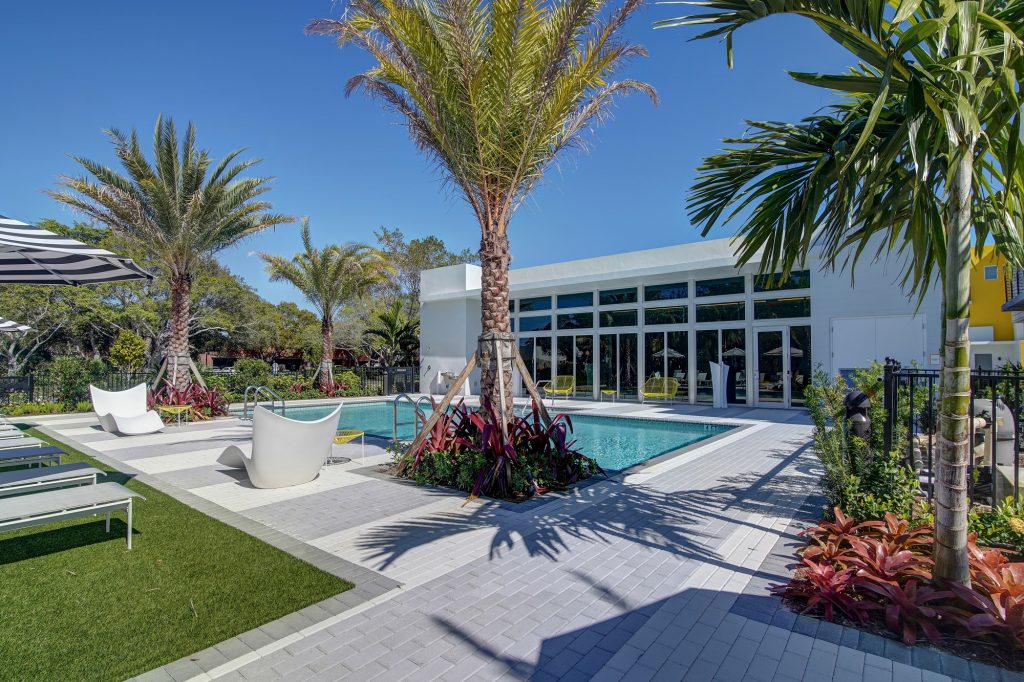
31	389
889	400
387	381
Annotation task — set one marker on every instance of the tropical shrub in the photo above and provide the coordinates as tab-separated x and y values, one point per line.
350	379
1002	526
128	352
70	377
859	477
468	450
27	409
205	402
881	572
248	372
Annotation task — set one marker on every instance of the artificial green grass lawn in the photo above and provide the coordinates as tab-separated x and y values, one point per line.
75	604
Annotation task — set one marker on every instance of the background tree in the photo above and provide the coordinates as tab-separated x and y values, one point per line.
328	278
923	149
493	91
128	352
393	336
179	209
410	258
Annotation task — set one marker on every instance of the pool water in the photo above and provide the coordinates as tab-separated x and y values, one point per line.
615	442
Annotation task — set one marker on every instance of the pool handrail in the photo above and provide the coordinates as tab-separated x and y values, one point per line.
415	406
270	393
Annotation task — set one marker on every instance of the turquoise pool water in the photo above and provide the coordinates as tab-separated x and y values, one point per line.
615	442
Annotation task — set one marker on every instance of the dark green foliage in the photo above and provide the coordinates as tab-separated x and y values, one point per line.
859	477
1003	526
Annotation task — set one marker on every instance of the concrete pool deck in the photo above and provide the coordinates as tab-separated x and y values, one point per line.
658	573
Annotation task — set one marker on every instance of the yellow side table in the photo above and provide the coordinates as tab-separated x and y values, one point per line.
174	410
610	392
346	436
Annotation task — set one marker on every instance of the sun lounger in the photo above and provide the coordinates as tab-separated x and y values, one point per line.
283	451
125	412
24	442
69	503
45	478
16	457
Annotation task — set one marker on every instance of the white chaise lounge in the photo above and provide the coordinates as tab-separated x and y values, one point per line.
19	443
69	503
45	478
125	411
283	452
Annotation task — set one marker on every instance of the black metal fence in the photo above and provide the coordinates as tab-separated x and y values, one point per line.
386	380
911	401
48	387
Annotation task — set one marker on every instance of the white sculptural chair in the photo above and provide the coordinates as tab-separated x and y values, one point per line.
283	452
125	411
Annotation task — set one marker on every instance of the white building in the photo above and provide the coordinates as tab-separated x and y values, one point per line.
613	321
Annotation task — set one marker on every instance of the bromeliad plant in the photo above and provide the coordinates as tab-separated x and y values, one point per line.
471	451
882	572
206	403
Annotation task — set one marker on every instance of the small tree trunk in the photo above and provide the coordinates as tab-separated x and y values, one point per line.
494	318
177	356
950	550
327	354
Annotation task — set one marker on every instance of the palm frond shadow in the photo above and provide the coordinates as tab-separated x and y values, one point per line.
684	522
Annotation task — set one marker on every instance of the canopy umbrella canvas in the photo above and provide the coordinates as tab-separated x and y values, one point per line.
734	353
670	353
32	255
793	352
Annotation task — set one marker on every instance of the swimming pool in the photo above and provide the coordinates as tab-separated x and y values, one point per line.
616	443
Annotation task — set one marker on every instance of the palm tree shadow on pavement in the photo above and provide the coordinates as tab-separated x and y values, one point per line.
689	523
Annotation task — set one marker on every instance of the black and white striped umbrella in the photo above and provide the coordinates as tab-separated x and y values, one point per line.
32	255
8	326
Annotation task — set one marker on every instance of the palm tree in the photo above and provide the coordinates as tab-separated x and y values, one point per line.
923	146
393	334
328	278
492	92
178	210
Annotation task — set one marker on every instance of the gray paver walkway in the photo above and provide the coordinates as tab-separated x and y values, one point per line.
659	574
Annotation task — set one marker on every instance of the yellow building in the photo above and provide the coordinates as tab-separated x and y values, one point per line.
995	339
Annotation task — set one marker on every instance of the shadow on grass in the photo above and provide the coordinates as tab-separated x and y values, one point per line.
61	539
686	523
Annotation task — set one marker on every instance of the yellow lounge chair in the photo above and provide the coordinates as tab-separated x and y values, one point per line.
664	388
565	386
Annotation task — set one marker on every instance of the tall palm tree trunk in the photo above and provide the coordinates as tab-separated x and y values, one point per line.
950	551
494	319
177	357
327	354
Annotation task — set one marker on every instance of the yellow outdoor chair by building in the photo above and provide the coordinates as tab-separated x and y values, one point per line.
564	385
664	388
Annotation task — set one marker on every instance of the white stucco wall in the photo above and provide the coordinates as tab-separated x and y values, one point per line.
450	300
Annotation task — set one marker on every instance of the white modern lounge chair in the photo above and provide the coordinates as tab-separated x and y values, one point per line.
125	411
284	452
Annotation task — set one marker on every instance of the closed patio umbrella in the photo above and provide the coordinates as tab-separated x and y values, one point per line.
32	255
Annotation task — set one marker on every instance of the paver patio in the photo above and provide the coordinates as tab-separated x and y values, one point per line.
661	573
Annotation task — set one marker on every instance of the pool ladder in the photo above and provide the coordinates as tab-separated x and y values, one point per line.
421	417
257	391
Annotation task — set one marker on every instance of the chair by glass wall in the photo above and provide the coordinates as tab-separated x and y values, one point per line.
619	364
707	352
576	358
724	346
665	356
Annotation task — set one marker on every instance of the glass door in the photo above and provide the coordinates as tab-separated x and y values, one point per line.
783	365
575	358
536	354
771	361
665	356
619	364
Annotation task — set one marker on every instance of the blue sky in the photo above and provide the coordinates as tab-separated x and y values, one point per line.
249	77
